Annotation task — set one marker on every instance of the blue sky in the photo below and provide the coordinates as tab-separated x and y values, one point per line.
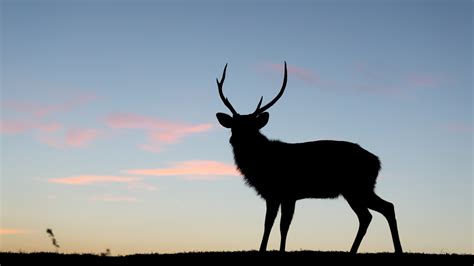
93	90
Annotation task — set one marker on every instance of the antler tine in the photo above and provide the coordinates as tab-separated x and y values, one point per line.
258	106
268	105
221	93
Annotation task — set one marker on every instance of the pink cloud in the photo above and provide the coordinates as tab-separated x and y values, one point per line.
93	179
80	137
423	80
72	138
458	127
303	74
11	231
191	170
51	140
114	198
49	132
50	127
132	121
13	127
42	110
392	80
173	134
131	183
159	131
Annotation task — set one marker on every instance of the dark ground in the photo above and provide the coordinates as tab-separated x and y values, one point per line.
230	258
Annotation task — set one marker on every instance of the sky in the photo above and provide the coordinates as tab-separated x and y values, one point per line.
109	135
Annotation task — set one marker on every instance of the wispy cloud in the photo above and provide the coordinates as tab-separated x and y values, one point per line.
11	231
458	127
53	134
423	80
191	170
392	80
94	179
80	137
134	179
129	183
12	127
49	127
384	79
71	138
114	198
34	119
303	74
39	125
159	132
41	110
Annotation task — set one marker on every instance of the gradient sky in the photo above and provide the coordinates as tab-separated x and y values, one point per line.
109	136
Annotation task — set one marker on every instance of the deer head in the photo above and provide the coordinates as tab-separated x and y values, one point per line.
245	125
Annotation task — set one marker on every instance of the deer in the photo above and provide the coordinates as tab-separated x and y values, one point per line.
282	173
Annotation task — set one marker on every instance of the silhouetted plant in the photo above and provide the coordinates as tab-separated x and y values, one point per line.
106	253
53	239
282	173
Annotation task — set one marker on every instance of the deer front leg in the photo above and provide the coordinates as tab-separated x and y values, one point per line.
272	211
287	210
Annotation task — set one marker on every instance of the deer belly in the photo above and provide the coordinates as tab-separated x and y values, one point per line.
300	189
320	190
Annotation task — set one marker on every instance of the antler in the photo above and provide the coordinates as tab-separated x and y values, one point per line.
264	108
221	93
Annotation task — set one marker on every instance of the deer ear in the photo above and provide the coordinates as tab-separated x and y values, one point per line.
262	119
224	119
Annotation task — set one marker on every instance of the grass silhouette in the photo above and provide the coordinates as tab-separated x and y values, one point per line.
293	257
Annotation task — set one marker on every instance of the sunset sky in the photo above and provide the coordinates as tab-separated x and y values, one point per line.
109	135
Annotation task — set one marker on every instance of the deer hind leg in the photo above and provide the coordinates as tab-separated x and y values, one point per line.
387	209
364	217
287	210
272	211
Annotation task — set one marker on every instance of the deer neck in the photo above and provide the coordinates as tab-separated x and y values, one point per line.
248	155
249	142
249	149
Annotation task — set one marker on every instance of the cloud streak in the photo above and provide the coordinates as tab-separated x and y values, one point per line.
79	138
379	79
159	132
392	80
305	75
52	134
191	170
423	80
42	110
11	231
458	127
39	125
130	183
12	127
71	138
94	179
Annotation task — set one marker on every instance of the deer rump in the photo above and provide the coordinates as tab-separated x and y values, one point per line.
317	169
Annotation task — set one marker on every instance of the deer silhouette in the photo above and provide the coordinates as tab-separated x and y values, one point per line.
282	173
